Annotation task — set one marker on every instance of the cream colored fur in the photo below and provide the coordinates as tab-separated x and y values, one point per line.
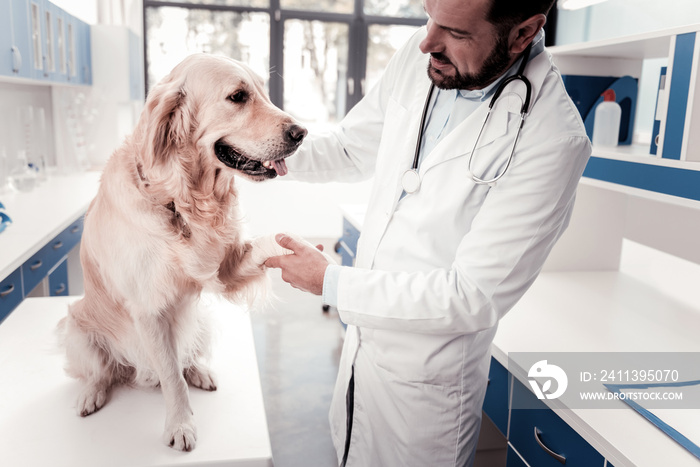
164	227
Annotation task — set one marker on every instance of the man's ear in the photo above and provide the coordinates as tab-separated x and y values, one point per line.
522	35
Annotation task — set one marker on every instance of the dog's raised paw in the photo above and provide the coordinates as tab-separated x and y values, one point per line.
92	399
200	378
182	437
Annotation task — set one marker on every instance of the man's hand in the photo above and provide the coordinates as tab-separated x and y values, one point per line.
303	270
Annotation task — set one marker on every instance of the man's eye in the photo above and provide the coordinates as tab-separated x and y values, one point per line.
238	97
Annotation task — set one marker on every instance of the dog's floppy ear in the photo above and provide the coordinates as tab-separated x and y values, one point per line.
169	122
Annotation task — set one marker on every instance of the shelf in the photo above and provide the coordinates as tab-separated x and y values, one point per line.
655	44
639	153
38	82
661	179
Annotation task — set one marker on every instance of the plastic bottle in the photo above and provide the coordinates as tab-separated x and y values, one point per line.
606	125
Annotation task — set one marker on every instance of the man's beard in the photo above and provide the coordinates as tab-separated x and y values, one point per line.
492	68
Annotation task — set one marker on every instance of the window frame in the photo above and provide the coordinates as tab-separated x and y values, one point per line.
358	29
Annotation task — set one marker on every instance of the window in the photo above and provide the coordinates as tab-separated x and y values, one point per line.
173	33
318	57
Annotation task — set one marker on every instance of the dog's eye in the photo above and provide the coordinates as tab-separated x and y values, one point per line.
238	97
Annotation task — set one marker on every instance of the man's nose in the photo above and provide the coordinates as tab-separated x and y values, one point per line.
431	42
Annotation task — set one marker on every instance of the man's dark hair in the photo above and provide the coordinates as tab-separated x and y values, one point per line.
505	14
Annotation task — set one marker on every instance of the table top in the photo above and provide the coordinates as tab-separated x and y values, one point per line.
41	214
649	305
39	425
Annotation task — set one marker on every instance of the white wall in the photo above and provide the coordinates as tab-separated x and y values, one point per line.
84	10
310	210
13	136
615	18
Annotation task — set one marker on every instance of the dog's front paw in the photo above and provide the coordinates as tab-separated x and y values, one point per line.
200	378
181	436
92	399
265	248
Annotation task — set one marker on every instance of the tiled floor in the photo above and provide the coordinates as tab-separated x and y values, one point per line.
298	348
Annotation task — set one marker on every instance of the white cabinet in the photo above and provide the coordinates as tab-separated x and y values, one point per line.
120	70
600	292
675	169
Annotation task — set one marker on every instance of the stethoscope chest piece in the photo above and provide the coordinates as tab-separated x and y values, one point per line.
410	181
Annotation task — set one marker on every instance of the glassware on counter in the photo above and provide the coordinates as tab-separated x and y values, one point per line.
4	219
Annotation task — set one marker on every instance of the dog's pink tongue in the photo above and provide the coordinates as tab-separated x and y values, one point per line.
280	167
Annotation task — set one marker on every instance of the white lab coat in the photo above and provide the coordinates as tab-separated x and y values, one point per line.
436	270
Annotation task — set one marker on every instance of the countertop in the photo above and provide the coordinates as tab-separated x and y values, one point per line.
40	426
41	214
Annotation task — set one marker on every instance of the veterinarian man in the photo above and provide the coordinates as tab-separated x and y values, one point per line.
442	255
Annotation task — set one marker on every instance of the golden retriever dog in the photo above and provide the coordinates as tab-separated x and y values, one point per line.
165	227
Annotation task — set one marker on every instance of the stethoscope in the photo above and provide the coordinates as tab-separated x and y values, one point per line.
410	180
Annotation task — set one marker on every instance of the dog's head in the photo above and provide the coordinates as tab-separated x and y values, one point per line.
217	108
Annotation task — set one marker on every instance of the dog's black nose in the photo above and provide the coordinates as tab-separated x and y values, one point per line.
295	133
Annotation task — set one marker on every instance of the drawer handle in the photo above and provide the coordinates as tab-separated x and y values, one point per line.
558	457
60	289
7	291
57	245
36	265
75	229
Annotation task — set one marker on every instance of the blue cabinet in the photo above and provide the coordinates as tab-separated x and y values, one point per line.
49	261
42	42
78	51
5	37
37	32
17	52
673	168
496	400
513	459
542	438
58	280
348	243
10	293
50	19
84	54
60	19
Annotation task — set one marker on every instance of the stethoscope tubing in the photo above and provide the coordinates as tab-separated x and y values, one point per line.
411	179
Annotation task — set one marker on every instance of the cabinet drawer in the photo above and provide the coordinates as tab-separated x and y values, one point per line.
513	459
10	293
539	434
496	400
58	280
350	237
66	240
38	266
347	258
